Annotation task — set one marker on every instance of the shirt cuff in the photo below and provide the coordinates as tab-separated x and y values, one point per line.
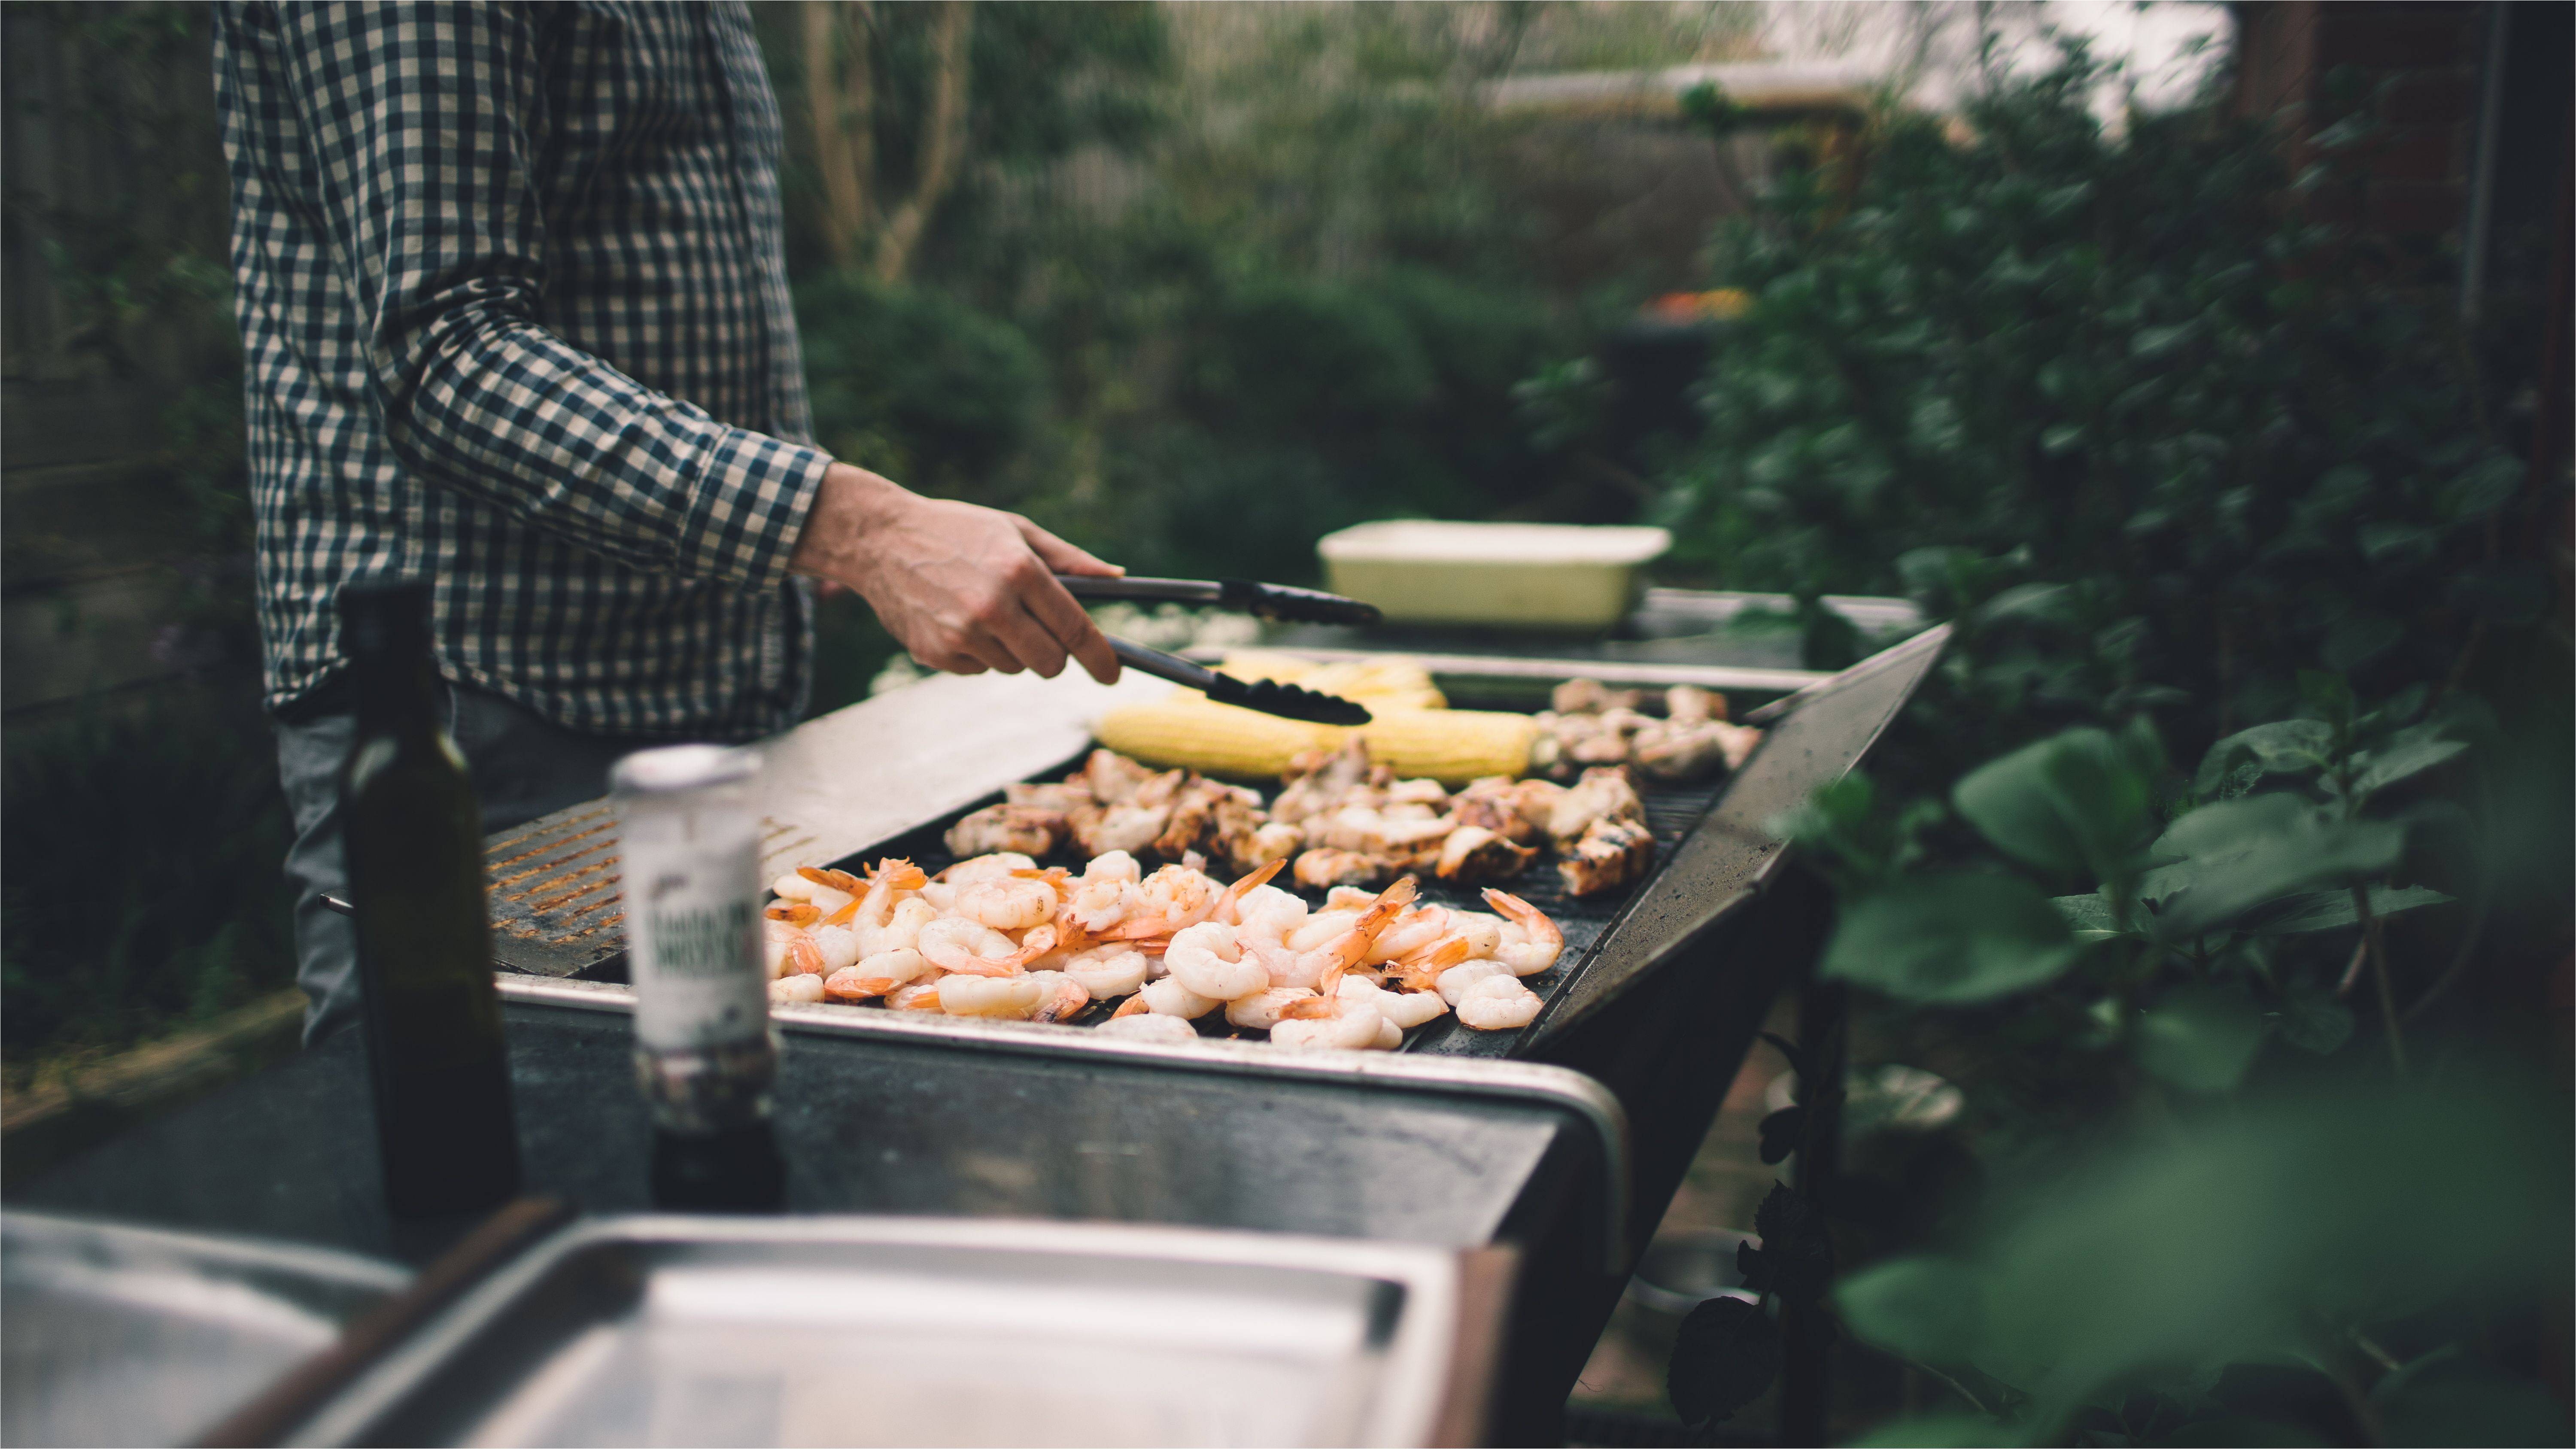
749	508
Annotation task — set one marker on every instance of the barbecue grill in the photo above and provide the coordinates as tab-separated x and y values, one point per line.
1648	1013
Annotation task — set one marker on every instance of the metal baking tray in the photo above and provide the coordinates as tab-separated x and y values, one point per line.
111	1334
859	1331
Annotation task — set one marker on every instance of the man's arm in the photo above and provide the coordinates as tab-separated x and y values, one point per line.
425	120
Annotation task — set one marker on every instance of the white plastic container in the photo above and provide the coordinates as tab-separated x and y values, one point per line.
1512	575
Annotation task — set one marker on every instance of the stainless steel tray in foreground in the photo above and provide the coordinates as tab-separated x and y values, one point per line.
129	1335
1557	1088
860	1330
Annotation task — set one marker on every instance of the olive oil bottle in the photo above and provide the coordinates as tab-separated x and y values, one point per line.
414	844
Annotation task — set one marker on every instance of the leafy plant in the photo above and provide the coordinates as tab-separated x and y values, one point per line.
2183	475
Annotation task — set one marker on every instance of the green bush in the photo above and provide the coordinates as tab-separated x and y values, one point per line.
2112	367
2182	471
916	384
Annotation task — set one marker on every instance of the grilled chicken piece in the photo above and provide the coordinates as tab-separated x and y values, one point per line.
1323	869
1112	778
1494	803
1031	830
1590	696
1602	794
1072	795
1612	853
1131	828
1690	704
1317	781
1252	849
1473	853
1677	752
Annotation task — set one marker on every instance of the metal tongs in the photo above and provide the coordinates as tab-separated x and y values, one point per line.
1267	601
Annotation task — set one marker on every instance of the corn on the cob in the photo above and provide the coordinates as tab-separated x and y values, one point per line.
1388	683
1187	730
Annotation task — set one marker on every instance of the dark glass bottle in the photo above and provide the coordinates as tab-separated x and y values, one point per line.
414	846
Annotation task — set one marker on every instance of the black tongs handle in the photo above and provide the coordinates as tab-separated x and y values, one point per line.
1161	665
1284	700
1268	601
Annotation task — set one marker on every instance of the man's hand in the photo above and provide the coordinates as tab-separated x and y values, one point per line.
965	588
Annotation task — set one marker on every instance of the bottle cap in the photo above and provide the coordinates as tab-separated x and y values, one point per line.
673	769
384	616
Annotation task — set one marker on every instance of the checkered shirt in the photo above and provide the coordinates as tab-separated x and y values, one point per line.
515	319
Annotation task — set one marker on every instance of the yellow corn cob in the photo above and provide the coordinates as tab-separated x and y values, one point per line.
1187	730
1393	682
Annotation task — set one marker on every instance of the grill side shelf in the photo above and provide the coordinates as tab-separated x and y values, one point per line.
829	787
552	889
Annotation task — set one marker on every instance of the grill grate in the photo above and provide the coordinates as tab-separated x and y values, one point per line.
552	887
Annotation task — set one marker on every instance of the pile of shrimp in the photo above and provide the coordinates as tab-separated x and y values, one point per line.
996	936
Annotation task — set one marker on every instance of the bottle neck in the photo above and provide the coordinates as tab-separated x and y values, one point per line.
398	694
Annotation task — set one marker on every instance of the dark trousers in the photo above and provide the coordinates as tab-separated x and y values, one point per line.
523	766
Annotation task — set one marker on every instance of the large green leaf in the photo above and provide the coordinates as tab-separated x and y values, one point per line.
2240	854
1931	1310
2447	1397
1937	1431
2326	910
2200	1039
2068	805
2283	747
2089	917
2312	1020
1951	938
1727	1353
2385	767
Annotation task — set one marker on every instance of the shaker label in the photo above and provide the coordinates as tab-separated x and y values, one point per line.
696	954
700	942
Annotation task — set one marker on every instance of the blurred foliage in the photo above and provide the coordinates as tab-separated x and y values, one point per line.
201	927
2184	471
138	296
1214	281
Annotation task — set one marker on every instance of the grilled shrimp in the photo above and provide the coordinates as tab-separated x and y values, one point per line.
1168	900
922	995
1209	960
1010	996
1407	933
902	930
1351	1023
1260	1011
1007	903
1168	997
797	990
1107	971
1146	1026
838	946
1059	996
877	975
1497	1003
1106	892
1531	942
973	949
1455	981
833	890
